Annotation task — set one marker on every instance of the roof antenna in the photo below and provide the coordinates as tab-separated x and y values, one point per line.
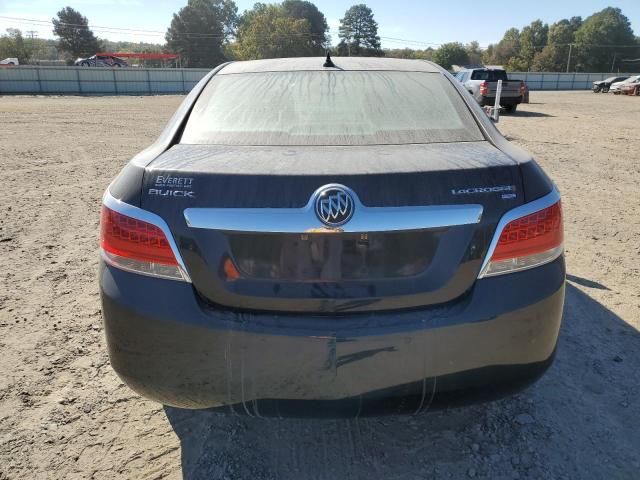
328	63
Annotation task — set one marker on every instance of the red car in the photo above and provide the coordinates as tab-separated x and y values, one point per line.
631	88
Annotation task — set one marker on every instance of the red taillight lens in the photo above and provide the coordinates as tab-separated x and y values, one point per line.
132	238
532	234
522	88
484	88
137	246
528	241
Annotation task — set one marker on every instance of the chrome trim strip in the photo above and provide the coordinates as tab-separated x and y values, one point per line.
304	220
521	211
138	213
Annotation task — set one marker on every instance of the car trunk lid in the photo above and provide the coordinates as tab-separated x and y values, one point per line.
431	211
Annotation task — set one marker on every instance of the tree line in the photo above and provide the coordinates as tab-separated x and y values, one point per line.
603	42
208	32
74	39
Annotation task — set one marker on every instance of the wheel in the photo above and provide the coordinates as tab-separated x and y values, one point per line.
597	89
511	108
637	91
84	64
605	89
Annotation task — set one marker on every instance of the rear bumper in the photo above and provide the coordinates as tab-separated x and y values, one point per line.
168	345
504	101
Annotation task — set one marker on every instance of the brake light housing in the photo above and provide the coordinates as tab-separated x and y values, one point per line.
526	237
138	241
484	88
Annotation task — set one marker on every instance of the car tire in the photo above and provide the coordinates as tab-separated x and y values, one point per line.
605	89
84	64
597	89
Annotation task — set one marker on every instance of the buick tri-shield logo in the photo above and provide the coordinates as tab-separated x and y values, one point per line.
334	205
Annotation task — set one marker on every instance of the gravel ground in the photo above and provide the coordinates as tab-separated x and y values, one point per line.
65	414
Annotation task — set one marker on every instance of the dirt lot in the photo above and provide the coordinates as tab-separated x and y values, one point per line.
65	414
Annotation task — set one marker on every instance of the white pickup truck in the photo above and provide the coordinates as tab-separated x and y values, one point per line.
482	82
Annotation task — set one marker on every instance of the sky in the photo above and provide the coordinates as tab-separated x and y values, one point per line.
402	23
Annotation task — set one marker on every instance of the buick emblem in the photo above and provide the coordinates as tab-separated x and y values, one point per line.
334	205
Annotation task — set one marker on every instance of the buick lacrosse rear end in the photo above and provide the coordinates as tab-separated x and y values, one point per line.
344	238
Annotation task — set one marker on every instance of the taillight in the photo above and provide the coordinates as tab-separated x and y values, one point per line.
528	241
137	246
522	88
484	88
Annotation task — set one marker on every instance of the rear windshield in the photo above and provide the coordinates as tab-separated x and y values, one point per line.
330	108
489	75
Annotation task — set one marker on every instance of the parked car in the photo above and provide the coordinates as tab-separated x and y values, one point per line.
10	62
616	88
632	88
482	83
604	85
101	61
320	253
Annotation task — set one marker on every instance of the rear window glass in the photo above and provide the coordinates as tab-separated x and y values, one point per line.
329	108
489	75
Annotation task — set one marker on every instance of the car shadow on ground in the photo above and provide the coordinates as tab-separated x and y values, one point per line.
586	282
527	113
578	421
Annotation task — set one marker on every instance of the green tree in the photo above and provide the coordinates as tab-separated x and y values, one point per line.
426	54
505	50
451	54
199	30
599	38
302	10
533	38
474	52
400	53
14	45
409	53
76	39
37	50
554	56
488	53
358	32
563	32
516	64
267	31
132	47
